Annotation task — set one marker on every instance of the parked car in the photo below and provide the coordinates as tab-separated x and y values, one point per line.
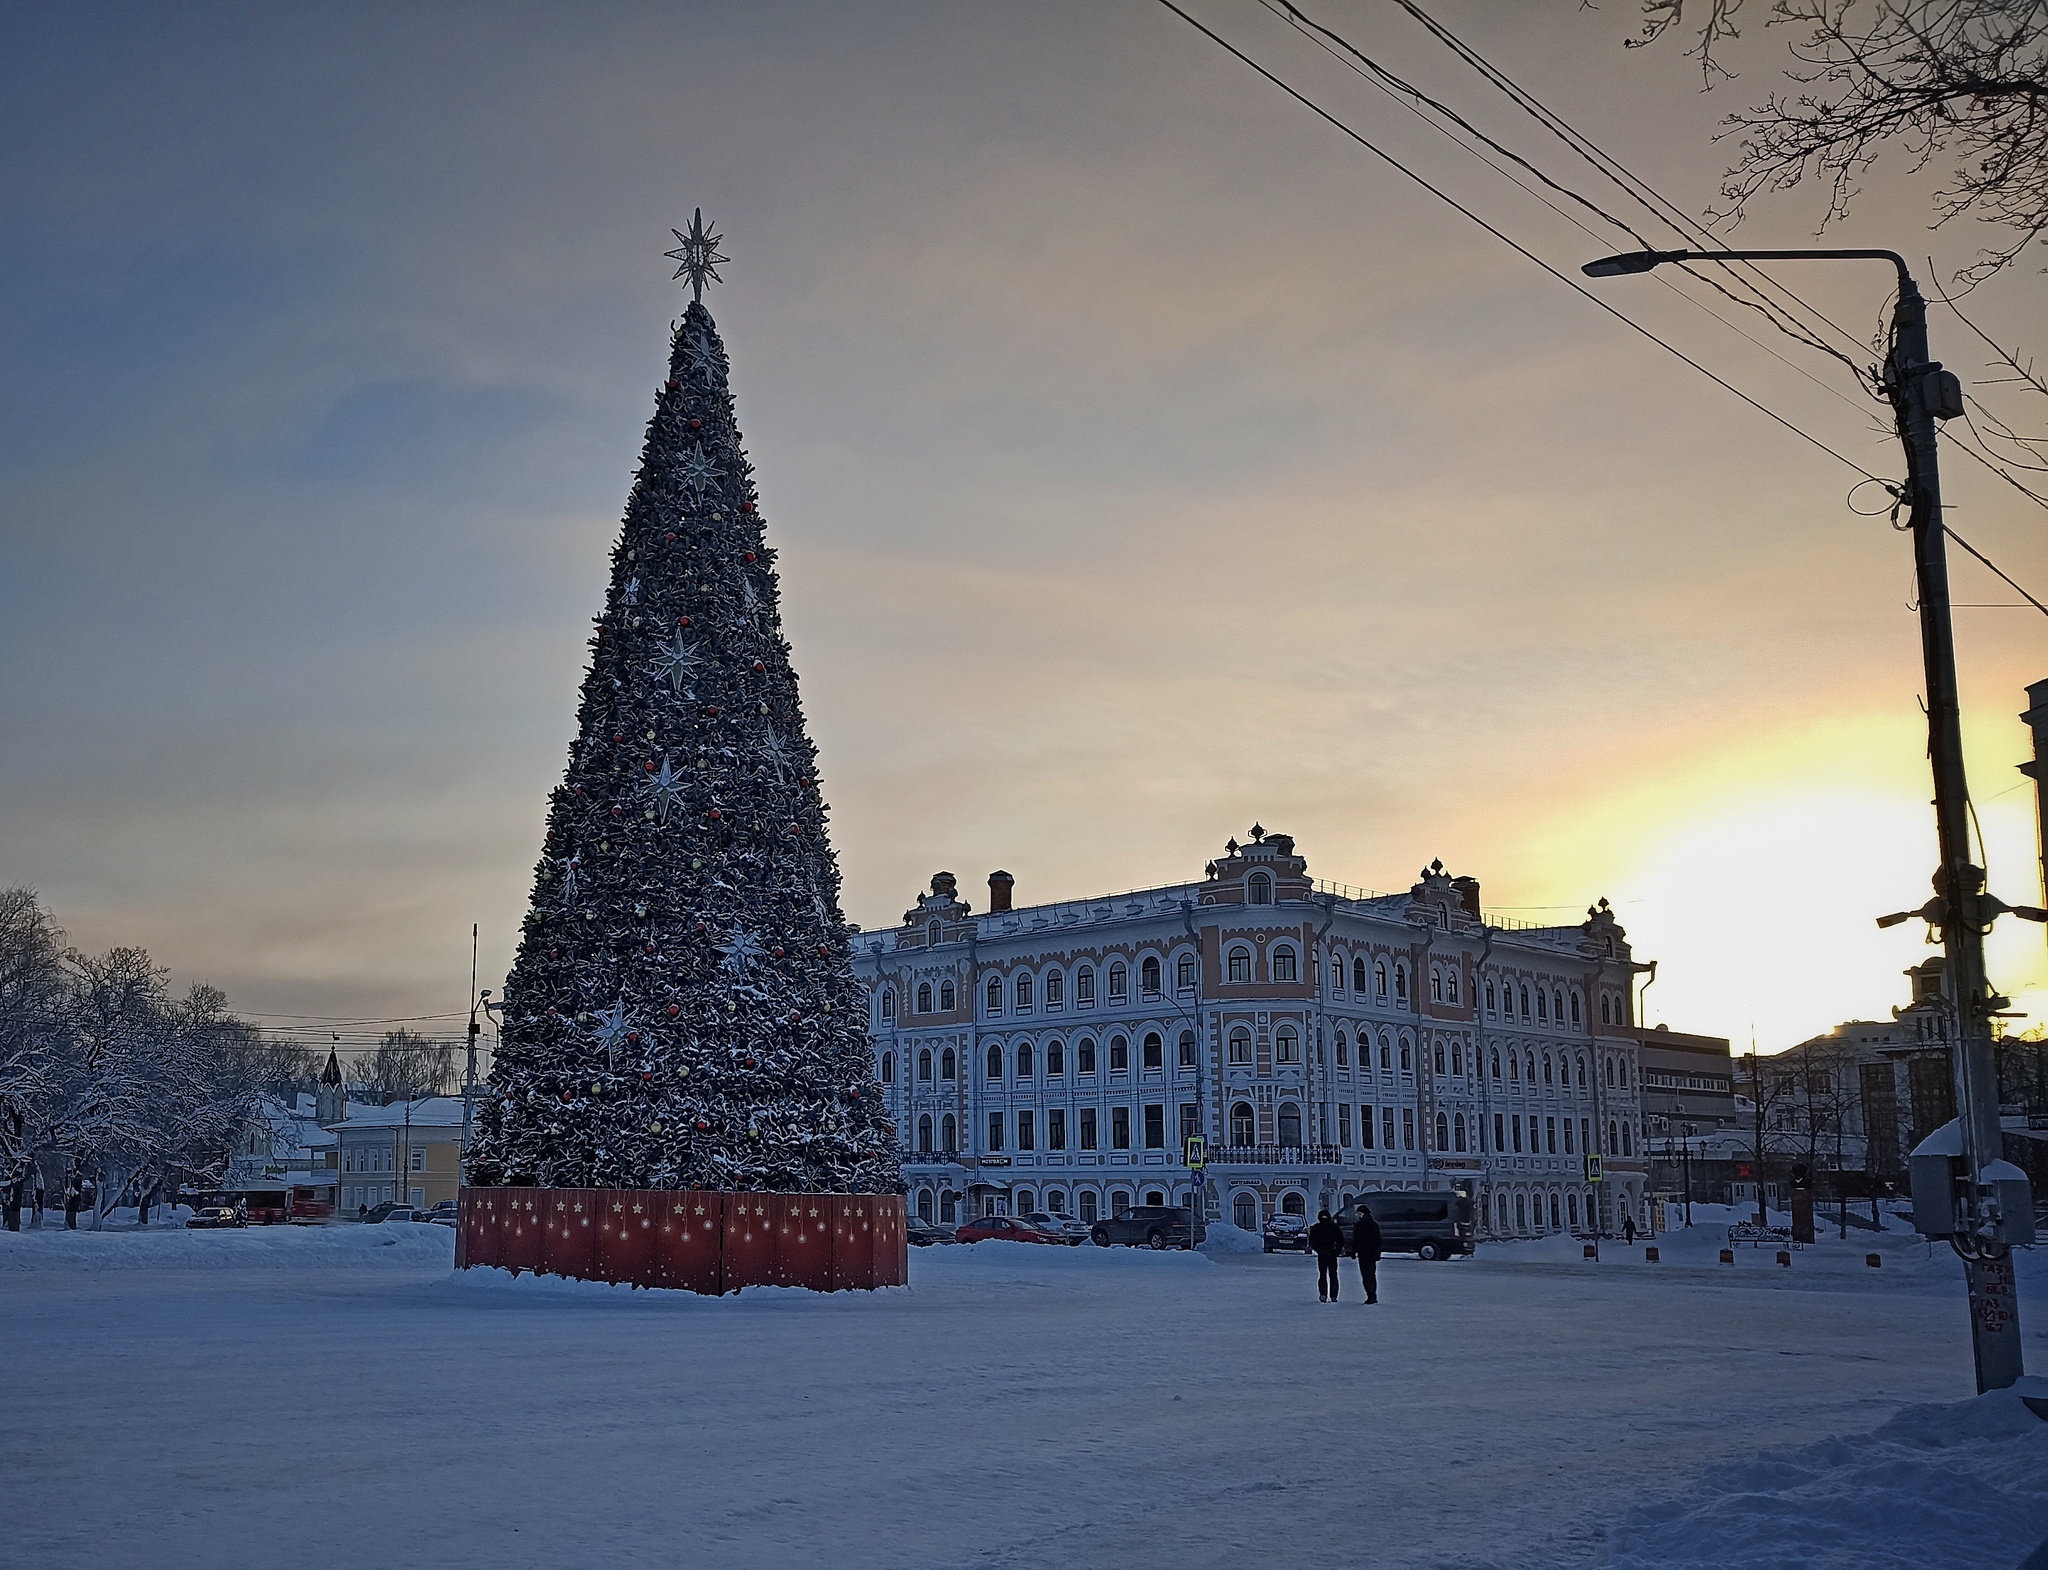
925	1234
445	1214
1430	1224
1006	1229
1065	1228
1286	1233
217	1216
1154	1226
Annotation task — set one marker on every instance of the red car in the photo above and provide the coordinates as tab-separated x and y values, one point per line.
1006	1229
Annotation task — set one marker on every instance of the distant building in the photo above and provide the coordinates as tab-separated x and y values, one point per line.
1324	1041
409	1153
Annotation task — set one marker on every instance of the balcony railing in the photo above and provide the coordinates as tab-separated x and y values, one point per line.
1275	1156
932	1158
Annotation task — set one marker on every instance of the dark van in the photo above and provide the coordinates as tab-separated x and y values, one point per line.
1430	1224
1149	1226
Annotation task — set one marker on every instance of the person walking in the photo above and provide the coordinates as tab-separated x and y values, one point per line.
1628	1229
1365	1247
1327	1239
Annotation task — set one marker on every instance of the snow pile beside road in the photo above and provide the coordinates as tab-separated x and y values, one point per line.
1223	1238
1956	1484
239	1248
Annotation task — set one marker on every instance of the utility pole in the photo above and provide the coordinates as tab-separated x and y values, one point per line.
469	1066
1984	1207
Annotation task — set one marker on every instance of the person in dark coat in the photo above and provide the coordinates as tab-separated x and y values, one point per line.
1365	1245
1327	1239
1628	1229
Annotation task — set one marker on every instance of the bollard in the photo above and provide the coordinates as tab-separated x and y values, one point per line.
1650	1255
1874	1261
1785	1257
1727	1256
1592	1251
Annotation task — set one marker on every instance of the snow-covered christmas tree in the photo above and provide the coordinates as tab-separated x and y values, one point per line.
683	1011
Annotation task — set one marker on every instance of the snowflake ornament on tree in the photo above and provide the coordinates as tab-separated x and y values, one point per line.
686	906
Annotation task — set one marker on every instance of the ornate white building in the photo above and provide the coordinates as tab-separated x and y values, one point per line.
1323	1041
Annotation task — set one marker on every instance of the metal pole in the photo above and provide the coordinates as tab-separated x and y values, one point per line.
469	1068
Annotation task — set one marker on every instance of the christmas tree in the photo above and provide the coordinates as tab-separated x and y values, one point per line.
683	1011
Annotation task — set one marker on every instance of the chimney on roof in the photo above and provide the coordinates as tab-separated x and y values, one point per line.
999	886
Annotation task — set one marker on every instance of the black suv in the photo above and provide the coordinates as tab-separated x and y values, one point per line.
1155	1226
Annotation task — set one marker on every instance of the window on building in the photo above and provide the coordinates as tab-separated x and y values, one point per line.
924	1134
932	933
1407	1128
1499	1142
1055	1059
1436	985
1585	1134
1119	1055
948	999
1187	1049
1525	1002
1606	1012
924	997
1457	1058
1437	1057
1628	1145
1085	1205
948	1069
1336	974
1240	964
1386	1053
1024	994
1443	1133
1119	1128
1529	1066
1087	1128
1535	1137
1026	1134
1401	983
1343	1050
1556	1013
1285	964
888	1003
1344	1123
995	1062
1546	1068
1286	1045
1184	973
1542	1005
1240	1045
1491	1007
1568	1137
1582	1070
1084	986
1550	1135
995	994
1118	977
1023	1060
1451	985
1148	976
1359	980
1623	1066
1379	981
1055	989
1155	1051
419	1160
995	1131
1575	1008
1407	1067
1365	1126
1610	1073
888	1068
1290	1126
1243	1129
1155	1125
1571	1206
1553	1210
1515	1128
1258	889
1056	1128
924	1064
949	1133
1293	1204
1084	1056
1458	1132
1190	1123
1244	1213
1387	1128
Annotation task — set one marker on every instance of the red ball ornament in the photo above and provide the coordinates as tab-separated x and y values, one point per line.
670	538
551	1011
673	1010
649	766
715	812
750	555
711	709
650	948
617	737
645	1075
701	927
695	425
553	955
673	384
565	1095
617	811
777	951
682	621
824	949
746	506
578	791
759	666
702	1126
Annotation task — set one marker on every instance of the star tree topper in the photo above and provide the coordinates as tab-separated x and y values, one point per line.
696	255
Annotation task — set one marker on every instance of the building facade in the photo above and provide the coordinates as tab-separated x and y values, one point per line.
1323	1041
409	1153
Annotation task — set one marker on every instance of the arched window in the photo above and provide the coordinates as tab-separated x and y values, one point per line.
1240	964
1148	976
1491	1006
888	1003
1406	1066
1155	1051
1055	990
888	1068
1401	983
924	997
1606	1012
932	935
1258	889
1436	984
1542	1005
1610	1073
949	1136
1290	1126
1055	1059
924	1206
1118	976
1623	1066
1284	965
1085	1056
1024	993
1443	1132
1119	1055
1343	1050
1379	981
948	1068
1521	1213
995	994
1556	1013
1386	1052
1438	1058
1613	1137
1554	1222
995	1062
947	999
1359	981
1244	1213
1514	1067
924	1134
1243	1130
1187	1049
1451	984
1084	987
1457	1058
1575	1008
1336	974
1184	979
1525	1002
924	1064
1582	1071
1286	1045
1571	1208
1458	1132
1292	1204
1023	1060
1496	1064
1546	1069
1240	1045
1628	1147
1529	1066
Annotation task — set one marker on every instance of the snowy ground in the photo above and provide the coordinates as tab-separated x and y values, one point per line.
261	1397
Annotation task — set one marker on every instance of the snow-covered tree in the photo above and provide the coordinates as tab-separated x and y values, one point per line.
683	1011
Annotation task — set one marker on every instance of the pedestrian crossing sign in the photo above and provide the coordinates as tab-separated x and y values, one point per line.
1592	1166
1198	1152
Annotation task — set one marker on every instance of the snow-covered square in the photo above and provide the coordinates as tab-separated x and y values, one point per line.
252	1397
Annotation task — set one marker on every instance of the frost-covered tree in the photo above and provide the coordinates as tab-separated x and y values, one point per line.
34	1030
683	1010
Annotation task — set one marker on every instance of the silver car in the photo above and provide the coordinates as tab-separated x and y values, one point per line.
1066	1228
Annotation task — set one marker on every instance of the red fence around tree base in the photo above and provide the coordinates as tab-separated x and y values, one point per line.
693	1240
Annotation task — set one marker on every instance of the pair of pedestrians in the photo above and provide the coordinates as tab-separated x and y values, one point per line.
1326	1239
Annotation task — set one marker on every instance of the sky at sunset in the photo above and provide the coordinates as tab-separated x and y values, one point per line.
1145	459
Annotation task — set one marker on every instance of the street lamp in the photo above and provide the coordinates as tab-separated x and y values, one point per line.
1992	1212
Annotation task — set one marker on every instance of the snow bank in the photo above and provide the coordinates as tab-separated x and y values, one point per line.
174	1247
1223	1238
1964	1483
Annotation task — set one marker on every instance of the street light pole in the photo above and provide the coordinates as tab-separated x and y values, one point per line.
1987	1222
